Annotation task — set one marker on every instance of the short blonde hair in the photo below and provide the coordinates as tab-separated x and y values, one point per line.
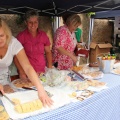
74	19
7	30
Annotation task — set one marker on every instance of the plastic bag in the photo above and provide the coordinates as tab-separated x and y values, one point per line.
82	49
55	77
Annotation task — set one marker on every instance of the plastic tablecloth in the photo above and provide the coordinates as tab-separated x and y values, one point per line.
104	105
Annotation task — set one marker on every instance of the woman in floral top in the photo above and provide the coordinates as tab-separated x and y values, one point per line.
65	43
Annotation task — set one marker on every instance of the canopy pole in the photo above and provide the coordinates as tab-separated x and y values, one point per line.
90	31
56	23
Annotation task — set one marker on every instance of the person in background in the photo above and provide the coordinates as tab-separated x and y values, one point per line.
65	43
78	31
35	43
78	34
10	47
79	38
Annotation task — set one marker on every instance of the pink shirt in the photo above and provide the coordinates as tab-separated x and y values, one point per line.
34	48
63	38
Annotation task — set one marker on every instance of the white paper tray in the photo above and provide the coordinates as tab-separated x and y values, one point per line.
59	98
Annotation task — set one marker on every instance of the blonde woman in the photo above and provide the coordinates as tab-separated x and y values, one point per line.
9	47
65	43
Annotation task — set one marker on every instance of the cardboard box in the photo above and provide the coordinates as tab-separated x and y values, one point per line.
98	49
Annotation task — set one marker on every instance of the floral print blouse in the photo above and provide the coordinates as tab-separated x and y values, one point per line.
63	38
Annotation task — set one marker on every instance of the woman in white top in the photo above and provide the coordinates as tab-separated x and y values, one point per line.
9	47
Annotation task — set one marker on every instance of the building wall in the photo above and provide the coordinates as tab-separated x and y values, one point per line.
17	24
102	31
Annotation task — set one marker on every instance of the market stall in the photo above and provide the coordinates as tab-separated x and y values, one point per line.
82	93
90	94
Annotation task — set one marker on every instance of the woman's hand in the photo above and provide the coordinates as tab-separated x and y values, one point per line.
74	58
45	99
1	89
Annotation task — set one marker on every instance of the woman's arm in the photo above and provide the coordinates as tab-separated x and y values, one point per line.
48	56
62	51
21	72
32	75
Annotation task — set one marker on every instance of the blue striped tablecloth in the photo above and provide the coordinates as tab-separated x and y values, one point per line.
104	105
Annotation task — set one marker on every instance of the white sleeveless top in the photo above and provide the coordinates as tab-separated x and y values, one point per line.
13	49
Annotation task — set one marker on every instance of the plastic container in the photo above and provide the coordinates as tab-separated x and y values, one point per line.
107	65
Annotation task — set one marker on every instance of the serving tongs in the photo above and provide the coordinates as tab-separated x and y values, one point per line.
4	95
27	88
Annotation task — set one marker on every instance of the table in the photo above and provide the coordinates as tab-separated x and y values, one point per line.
104	105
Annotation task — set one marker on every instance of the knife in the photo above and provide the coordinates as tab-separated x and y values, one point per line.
8	98
27	88
83	78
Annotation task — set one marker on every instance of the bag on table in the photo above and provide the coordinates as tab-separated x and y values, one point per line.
82	50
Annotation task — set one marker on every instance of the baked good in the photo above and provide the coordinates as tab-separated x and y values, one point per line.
8	89
74	94
18	108
87	93
80	98
93	75
78	85
95	83
117	71
1	108
16	101
22	83
3	114
77	68
28	106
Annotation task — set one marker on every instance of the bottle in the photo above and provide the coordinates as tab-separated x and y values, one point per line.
109	56
113	56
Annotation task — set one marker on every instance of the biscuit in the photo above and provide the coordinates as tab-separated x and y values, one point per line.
1	108
16	101
28	106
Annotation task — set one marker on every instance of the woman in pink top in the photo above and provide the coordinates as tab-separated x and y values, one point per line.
35	43
65	43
